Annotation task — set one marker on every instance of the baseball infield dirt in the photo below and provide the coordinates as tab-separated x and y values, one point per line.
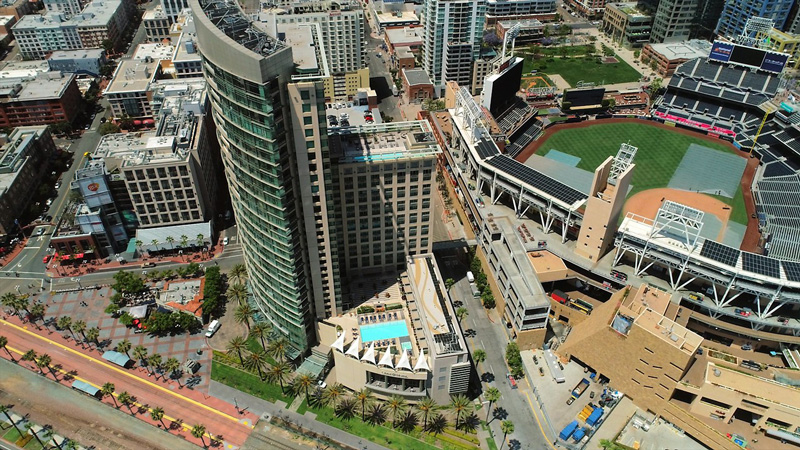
646	204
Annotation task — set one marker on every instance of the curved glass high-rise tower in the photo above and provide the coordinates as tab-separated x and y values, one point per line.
247	72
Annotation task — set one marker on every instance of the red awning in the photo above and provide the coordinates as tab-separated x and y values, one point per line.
149	122
137	122
65	257
79	256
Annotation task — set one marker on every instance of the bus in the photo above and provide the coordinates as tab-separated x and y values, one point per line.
581	305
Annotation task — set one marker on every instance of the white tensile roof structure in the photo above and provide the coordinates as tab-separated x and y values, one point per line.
369	355
386	359
404	363
353	350
422	362
339	344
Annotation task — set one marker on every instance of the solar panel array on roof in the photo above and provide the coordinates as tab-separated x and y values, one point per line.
534	178
720	253
486	148
761	265
792	270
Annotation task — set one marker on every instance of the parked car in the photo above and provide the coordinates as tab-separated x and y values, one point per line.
744	312
225	241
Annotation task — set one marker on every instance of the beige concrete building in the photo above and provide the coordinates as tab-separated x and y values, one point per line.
604	205
24	163
386	182
405	341
128	93
156	24
626	24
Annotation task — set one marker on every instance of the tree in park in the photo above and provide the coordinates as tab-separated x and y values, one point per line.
199	432
108	390
333	393
427	406
237	345
257	361
364	396
4	409
492	395
507	427
237	292
4	346
243	314
396	404
157	413
261	330
123	346
279	372
437	424
140	354
126	399
346	409
460	405
301	383
128	282
278	348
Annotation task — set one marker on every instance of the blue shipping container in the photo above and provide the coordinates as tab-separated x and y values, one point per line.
579	434
594	416
568	430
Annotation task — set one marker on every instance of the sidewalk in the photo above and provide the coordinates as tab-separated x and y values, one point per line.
263	408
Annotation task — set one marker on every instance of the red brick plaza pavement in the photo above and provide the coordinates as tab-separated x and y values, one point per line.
188	407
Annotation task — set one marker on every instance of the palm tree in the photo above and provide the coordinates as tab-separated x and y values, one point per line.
22	302
201	240
37	312
408	421
396	404
346	409
238	273
29	427
154	362
479	356
92	335
261	330
427	406
126	399
364	396
199	431
506	427
140	353
256	360
139	246
333	393
157	413
279	372
30	356
171	366
237	344
238	292
461	312
242	314
108	389
303	381
4	346
43	361
492	395
184	241
80	327
171	240
65	323
460	405
5	409
437	424
123	346
277	348
9	300
154	243
448	283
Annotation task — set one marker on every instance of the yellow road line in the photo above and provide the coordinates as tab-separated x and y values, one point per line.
536	416
115	394
129	375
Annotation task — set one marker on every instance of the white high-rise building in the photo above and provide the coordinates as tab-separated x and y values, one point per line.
452	39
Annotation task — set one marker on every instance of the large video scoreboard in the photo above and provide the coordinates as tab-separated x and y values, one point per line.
748	56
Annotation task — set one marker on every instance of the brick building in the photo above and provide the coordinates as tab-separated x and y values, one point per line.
47	98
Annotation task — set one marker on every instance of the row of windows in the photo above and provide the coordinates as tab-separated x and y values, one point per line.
162	172
156	219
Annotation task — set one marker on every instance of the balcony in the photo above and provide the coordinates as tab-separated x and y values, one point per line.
410	393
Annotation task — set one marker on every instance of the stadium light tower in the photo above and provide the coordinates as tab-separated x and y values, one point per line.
511	35
752	28
622	161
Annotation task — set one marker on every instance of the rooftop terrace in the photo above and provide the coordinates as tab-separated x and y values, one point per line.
382	142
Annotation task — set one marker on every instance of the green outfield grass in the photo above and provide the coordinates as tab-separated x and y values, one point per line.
660	153
585	69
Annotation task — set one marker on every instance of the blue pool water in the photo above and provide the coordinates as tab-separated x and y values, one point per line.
406	345
385	330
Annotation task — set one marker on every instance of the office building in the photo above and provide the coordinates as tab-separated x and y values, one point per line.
736	12
24	164
452	40
156	24
626	24
429	359
67	7
667	57
128	93
172	8
81	62
782	42
673	20
592	9
43	98
530	30
417	86
186	61
38	35
17	8
519	9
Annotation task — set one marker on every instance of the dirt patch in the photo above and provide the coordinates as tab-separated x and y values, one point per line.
535	82
609	60
646	204
753	235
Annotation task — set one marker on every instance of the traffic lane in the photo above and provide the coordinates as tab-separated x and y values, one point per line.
78	416
148	393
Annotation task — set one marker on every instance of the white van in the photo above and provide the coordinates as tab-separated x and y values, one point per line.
470	277
212	328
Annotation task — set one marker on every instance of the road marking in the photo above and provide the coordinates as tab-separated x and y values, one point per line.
535	416
129	375
115	394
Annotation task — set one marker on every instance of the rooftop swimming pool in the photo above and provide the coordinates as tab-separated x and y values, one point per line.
384	330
